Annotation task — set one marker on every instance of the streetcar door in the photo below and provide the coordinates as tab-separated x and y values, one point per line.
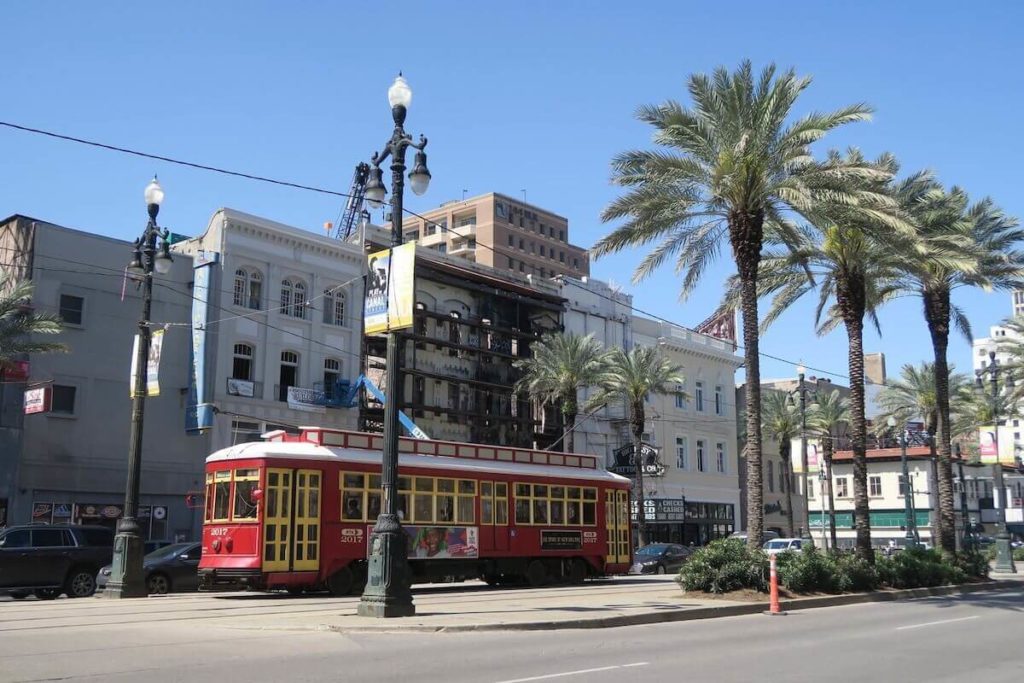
617	523
277	521
306	547
493	515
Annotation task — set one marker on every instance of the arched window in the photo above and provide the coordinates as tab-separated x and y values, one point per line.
332	373
289	376
293	298
248	288
334	306
242	366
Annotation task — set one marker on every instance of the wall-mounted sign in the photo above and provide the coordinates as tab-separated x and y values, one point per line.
561	540
241	387
309	400
37	400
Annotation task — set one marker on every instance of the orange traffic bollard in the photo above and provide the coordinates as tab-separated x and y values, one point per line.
774	608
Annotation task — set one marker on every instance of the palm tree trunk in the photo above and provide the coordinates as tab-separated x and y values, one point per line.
788	482
755	478
828	446
858	429
936	307
568	431
637	421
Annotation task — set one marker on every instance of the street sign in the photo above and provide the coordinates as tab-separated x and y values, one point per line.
625	465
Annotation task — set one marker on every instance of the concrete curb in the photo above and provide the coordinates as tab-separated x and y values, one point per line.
665	616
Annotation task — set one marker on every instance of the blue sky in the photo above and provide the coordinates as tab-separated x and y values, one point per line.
528	95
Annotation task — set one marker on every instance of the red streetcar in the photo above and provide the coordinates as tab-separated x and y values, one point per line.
296	512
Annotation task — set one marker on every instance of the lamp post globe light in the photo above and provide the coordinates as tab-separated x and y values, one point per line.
1004	555
387	591
909	523
805	534
127	579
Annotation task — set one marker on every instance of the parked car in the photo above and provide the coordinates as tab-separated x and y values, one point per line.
174	567
48	560
766	535
660	558
781	545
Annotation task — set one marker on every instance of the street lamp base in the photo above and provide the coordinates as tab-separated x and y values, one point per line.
1004	557
127	579
387	591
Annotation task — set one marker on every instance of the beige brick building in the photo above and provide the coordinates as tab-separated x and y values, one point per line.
501	232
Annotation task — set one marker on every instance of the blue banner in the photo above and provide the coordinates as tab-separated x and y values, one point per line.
199	416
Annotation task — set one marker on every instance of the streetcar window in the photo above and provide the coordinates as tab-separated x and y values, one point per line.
353	481
466	511
209	498
352	506
522	490
540	512
486	510
467	487
221	495
557	510
589	513
424	484
246	481
445	509
373	505
522	511
423	507
443	486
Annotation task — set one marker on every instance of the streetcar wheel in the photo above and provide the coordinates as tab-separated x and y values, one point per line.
661	569
536	574
158	584
19	595
341	582
47	593
295	590
491	579
578	571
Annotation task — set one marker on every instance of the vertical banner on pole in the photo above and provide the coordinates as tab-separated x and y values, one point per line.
156	344
199	416
390	289
135	367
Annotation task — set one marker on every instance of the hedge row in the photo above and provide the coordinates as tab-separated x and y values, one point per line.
728	564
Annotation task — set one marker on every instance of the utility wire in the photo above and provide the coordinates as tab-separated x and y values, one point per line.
310	188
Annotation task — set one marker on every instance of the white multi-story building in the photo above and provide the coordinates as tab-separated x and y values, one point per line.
697	498
594	308
277	327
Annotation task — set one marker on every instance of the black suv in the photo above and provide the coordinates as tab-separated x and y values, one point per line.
52	559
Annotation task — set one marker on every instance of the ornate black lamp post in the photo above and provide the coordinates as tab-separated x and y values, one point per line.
387	591
127	579
909	523
805	533
1004	556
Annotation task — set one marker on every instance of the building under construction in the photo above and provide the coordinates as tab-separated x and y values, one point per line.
471	324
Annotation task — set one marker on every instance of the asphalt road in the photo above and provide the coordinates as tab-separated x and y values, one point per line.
972	638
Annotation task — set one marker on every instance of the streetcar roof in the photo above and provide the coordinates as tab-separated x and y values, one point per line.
308	451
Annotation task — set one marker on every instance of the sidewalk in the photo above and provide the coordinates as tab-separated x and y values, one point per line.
595	605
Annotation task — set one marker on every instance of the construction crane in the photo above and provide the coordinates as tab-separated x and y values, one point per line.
364	382
354	205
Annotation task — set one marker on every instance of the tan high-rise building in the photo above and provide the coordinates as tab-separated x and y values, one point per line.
501	232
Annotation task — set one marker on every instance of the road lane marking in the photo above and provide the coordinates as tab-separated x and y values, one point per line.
563	674
936	623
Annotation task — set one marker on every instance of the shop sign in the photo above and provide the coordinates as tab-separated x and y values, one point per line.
625	464
561	540
772	508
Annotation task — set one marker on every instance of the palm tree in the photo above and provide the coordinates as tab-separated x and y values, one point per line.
735	168
780	421
826	415
18	322
561	365
965	245
631	376
847	258
914	396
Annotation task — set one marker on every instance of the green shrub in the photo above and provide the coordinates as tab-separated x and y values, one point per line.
723	566
974	564
854	574
916	568
807	571
990	554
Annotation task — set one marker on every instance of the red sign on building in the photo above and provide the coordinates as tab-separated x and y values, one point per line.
38	399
